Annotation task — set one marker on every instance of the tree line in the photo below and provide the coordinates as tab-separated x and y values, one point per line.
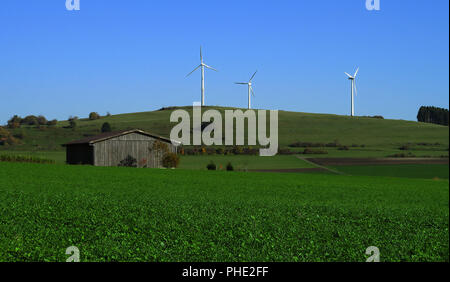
433	115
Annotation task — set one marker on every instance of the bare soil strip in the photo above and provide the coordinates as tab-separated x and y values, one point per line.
375	161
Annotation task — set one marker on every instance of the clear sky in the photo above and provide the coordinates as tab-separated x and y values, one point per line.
127	56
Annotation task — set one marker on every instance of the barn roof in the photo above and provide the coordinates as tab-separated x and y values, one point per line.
109	135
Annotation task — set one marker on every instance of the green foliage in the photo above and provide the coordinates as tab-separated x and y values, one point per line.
53	122
6	138
170	160
404	148
129	161
41	120
24	159
14	122
211	166
73	123
117	214
106	127
30	120
433	115
94	116
20	135
161	147
309	151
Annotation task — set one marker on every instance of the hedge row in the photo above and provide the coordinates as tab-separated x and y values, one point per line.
24	159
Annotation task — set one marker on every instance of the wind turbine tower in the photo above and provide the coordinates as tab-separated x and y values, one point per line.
202	66
250	89
353	88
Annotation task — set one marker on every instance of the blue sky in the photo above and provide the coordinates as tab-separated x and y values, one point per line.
133	55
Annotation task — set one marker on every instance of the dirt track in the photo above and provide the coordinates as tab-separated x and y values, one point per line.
374	161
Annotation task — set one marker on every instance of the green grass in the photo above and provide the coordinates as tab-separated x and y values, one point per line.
380	137
243	162
428	171
121	214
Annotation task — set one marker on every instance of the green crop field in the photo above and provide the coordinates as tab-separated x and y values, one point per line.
125	214
428	171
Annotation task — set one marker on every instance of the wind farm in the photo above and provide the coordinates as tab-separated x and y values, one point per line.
251	93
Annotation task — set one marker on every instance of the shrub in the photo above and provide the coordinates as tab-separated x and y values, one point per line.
376	116
286	152
20	135
52	122
308	151
159	146
306	144
129	161
30	120
170	160
41	120
6	137
72	124
211	166
14	122
404	148
237	150
230	167
343	148
25	159
94	116
402	155
106	127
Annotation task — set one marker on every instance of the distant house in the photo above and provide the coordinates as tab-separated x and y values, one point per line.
118	148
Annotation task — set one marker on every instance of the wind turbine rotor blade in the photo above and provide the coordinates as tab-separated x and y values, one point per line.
253	76
193	70
356	72
253	93
349	76
211	68
201	56
356	90
243	83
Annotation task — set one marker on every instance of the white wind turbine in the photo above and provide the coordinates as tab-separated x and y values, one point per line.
202	66
250	89
353	83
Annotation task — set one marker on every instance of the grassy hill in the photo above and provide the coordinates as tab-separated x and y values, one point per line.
373	137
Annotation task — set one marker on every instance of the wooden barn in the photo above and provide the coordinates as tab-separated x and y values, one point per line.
120	148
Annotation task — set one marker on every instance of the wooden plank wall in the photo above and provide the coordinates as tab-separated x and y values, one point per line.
110	152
